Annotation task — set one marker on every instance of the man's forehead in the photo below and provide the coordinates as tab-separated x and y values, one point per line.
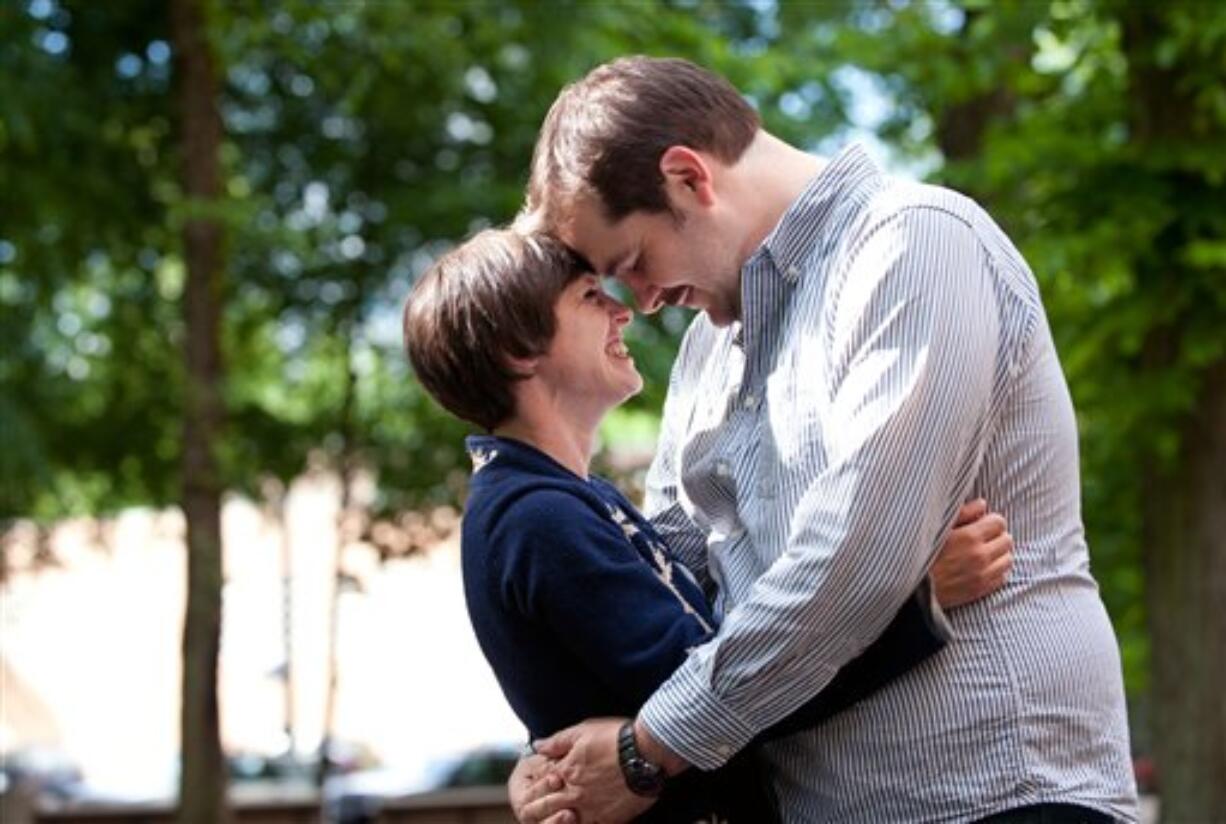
586	230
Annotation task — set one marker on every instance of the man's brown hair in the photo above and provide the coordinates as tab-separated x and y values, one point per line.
605	134
480	305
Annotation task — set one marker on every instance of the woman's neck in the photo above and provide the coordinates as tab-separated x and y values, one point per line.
566	441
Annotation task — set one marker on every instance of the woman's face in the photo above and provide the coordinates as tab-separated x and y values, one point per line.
587	363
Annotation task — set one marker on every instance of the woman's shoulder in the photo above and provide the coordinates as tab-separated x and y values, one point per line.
509	517
528	500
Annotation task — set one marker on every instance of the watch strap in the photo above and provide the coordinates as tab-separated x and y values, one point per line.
642	776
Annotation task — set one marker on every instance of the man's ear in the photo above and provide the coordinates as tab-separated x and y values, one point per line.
687	176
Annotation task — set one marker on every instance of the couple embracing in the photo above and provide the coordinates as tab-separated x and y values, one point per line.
815	617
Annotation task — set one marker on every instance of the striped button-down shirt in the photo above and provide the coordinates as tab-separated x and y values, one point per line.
892	360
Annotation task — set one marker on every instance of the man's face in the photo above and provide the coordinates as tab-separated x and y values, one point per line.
665	261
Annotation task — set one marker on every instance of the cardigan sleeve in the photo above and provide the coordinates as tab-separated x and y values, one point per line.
565	564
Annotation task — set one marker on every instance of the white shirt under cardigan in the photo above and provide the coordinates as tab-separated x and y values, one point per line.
893	360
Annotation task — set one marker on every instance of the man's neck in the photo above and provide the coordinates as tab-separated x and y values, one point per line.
768	179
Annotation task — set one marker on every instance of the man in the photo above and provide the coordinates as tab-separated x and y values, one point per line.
869	353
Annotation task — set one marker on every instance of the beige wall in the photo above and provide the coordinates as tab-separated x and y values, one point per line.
91	646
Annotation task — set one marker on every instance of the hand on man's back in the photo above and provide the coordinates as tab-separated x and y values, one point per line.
975	558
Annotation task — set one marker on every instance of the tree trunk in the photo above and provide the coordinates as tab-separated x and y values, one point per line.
962	126
346	465
1185	506
1186	590
202	786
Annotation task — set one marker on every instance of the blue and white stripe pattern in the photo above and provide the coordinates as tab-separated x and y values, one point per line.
892	360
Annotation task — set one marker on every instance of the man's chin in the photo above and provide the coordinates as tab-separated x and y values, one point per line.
719	316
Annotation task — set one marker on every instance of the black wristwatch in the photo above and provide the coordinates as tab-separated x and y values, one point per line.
642	777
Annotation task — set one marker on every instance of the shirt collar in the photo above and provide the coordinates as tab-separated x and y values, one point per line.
771	274
849	175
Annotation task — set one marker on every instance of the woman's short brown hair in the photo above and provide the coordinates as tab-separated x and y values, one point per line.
605	134
481	304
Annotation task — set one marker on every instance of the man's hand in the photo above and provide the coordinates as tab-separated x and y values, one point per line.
595	789
535	793
974	559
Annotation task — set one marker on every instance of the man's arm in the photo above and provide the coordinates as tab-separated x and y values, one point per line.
971	564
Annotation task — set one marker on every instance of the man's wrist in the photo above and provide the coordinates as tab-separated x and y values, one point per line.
657	753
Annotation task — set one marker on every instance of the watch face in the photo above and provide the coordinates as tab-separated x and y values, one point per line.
643	777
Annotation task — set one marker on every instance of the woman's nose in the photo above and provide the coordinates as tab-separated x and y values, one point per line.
617	310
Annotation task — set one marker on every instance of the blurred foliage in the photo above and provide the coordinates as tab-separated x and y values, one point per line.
364	138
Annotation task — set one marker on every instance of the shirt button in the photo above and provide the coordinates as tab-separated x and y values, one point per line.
750	402
724	750
722	469
793	272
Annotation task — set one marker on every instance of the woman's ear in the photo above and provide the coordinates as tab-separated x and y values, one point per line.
523	367
687	176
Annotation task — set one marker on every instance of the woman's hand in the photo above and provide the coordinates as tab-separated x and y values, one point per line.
529	789
975	558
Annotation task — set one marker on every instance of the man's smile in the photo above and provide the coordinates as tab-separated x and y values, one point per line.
676	296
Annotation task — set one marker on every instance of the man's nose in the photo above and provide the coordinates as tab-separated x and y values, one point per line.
647	296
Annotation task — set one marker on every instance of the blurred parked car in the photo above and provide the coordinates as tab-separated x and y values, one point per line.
356	797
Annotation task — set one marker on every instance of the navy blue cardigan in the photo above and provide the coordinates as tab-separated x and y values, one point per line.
581	610
564	583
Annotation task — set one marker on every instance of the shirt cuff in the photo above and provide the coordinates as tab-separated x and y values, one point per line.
685	716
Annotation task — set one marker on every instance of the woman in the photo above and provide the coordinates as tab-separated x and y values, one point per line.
575	600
